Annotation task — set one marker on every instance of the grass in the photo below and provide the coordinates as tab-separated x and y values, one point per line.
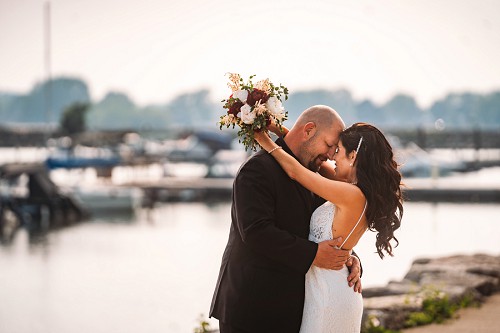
436	308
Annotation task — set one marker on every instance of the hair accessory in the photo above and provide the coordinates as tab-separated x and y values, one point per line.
359	145
271	151
357	150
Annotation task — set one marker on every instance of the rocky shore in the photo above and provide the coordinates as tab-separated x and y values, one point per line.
458	278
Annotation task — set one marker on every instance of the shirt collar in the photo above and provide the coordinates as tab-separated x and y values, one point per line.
282	143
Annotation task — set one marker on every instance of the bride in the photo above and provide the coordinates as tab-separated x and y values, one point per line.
362	192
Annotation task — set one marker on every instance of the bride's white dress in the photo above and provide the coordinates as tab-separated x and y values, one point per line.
330	304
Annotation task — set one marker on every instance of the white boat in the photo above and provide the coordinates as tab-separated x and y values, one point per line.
226	163
97	195
416	162
108	199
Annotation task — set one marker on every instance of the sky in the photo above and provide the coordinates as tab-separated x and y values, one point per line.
154	50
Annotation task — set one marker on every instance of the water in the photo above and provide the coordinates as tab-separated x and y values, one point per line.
155	272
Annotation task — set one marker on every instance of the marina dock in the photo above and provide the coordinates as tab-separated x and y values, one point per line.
199	189
185	189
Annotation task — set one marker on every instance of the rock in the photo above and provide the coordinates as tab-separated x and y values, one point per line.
390	311
479	271
485	285
410	302
393	320
457	276
392	288
422	261
484	271
379	291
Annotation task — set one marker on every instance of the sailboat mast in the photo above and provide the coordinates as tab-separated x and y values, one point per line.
47	64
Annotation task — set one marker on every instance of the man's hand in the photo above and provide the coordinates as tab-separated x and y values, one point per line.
354	278
328	256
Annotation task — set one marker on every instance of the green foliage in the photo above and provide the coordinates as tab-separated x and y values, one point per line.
114	111
48	100
204	326
45	103
402	111
379	329
73	119
468	301
192	110
436	308
418	319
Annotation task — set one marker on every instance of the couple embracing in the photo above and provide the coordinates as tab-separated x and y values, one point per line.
288	265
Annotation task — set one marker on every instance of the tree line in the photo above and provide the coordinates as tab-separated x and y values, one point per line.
67	102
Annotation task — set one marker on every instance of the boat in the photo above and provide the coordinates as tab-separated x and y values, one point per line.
82	157
226	163
108	199
416	162
30	199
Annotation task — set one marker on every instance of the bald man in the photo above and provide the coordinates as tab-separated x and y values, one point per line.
260	287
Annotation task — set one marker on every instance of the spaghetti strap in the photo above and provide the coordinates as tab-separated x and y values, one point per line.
359	220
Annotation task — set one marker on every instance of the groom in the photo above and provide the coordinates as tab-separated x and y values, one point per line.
261	281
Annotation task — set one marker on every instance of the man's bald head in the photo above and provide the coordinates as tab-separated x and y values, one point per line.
314	137
324	117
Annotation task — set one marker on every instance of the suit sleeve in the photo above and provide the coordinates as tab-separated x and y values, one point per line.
255	200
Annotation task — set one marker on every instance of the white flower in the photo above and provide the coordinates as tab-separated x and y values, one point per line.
241	95
275	107
247	115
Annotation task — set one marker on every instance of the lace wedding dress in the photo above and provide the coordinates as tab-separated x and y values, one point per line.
330	304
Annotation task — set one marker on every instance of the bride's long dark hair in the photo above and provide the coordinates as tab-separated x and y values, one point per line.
379	180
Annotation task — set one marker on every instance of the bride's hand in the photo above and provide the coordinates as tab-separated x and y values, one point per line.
274	128
278	130
263	140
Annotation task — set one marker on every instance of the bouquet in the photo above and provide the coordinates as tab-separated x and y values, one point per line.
253	107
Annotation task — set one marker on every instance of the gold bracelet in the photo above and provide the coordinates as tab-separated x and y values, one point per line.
271	151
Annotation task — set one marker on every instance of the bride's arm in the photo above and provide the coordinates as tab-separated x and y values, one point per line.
326	188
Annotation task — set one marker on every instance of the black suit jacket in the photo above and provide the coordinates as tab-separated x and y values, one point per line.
260	287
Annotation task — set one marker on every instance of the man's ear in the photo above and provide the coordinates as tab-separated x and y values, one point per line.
309	130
